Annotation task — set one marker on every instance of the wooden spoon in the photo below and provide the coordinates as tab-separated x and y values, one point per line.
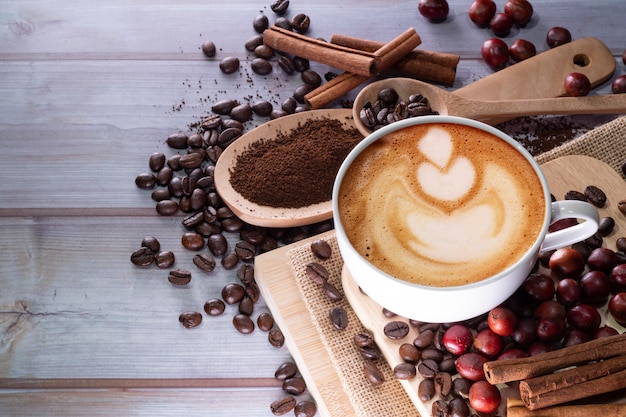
446	103
264	215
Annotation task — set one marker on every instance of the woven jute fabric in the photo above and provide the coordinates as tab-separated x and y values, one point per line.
607	143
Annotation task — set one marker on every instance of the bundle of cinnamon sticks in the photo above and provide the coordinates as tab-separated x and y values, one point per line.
564	375
363	59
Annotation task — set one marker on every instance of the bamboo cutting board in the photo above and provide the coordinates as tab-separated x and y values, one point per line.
276	278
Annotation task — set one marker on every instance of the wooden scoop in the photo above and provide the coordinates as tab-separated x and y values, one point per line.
446	103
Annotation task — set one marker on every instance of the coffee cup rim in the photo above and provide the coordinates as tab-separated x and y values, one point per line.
431	119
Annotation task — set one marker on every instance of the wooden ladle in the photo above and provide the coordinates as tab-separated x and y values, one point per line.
446	103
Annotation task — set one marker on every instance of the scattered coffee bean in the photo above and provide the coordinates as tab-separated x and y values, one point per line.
370	353
621	206
575	195
230	261
165	259
459	408
229	64
311	78
146	181
245	273
245	250
190	319
142	257
317	273
252	43
208	48
166	207
409	353
461	386
192	241
301	23
262	108
276	338
260	23
305	408
428	368
280	6
396	329
283	23
265	322
321	249
243	323
283	405
372	373
426	390
388	313
596	196
286	64
232	293
606	225
177	141
217	243
294	385
179	276
440	408
339	318
286	370
214	307
443	383
405	371
246	306
156	161
332	292
363	339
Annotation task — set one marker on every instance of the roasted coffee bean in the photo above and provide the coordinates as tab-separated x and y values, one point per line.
428	368
191	221
621	206
311	77
190	160
262	108
167	207
432	354
260	23
245	250
300	64
190	319
305	408
461	386
179	276
217	243
252	43
275	114
280	6
283	405
177	140
195	141
332	292
440	408
174	162
426	390
232	293
229	64
156	161
208	49
165	259
229	135
409	353
164	176
286	64
254	236
299	94
265	322
289	105
146	181
286	370
245	273
175	187
459	408
370	353
261	66
301	23
276	338
388	313
405	371
246	306
396	329
161	194
620	244
596	196
283	23
264	52
448	365
187	185
197	199
214	307
372	373
606	225
243	323
388	95
317	273
230	261
204	262
192	241
253	291
443	383
575	195
594	241
232	224
151	243
207	229
321	249
294	385
339	318
363	339
142	257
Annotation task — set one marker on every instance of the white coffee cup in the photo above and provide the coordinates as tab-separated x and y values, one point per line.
436	301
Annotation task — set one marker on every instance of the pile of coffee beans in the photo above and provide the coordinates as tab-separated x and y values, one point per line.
389	108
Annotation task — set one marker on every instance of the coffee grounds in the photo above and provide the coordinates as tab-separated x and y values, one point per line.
298	168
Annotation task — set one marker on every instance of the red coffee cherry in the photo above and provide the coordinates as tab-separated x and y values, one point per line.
567	262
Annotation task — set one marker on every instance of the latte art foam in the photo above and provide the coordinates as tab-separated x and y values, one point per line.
441	204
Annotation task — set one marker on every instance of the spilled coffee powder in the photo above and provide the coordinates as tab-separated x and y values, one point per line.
298	168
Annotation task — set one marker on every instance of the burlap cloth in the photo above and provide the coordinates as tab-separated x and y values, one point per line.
607	143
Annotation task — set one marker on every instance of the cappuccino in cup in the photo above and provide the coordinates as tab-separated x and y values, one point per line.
441	204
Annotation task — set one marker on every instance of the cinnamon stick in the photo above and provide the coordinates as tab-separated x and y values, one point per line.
337	87
508	370
516	408
575	383
347	59
392	52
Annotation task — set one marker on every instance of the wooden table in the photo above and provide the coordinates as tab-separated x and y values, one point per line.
88	91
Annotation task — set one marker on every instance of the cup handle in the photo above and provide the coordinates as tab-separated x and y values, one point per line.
565	209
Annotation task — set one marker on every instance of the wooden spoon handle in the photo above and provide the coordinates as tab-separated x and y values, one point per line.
606	104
